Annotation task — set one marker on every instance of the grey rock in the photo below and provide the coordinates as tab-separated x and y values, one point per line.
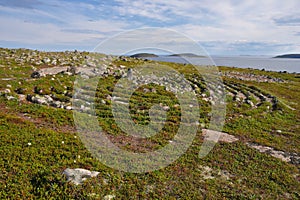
52	70
293	158
9	98
216	136
129	74
109	197
46	60
250	103
166	108
78	175
7	91
68	108
22	97
56	104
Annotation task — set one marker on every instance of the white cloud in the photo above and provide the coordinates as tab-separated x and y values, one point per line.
44	27
272	22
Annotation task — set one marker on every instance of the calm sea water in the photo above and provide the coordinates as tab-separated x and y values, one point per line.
267	63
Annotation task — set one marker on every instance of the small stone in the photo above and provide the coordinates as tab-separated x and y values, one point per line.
68	73
7	91
68	107
105	181
109	197
46	60
250	103
166	108
279	131
108	97
36	74
22	97
10	98
146	90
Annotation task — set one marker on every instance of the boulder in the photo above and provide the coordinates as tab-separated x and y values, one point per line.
78	175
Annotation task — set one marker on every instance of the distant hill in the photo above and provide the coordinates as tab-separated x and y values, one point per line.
187	55
288	56
143	55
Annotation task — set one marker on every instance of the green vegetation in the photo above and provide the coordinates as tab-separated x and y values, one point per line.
39	141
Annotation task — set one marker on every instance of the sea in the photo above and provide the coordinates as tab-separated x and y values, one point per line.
291	65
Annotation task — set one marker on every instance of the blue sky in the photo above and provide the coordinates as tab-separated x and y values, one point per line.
228	27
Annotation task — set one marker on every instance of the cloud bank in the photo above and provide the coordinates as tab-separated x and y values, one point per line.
221	27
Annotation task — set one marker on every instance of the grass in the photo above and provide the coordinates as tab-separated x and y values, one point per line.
38	142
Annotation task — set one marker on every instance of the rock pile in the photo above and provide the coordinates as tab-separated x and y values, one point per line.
38	58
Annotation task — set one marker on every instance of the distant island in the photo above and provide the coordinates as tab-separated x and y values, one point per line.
187	55
152	55
144	55
288	56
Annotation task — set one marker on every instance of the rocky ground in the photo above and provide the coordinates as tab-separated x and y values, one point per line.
44	88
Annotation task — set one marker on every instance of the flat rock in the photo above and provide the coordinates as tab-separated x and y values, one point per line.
212	135
52	70
284	156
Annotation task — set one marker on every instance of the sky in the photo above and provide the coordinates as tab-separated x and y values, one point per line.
227	27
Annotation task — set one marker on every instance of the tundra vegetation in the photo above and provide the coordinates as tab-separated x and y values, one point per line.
39	139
